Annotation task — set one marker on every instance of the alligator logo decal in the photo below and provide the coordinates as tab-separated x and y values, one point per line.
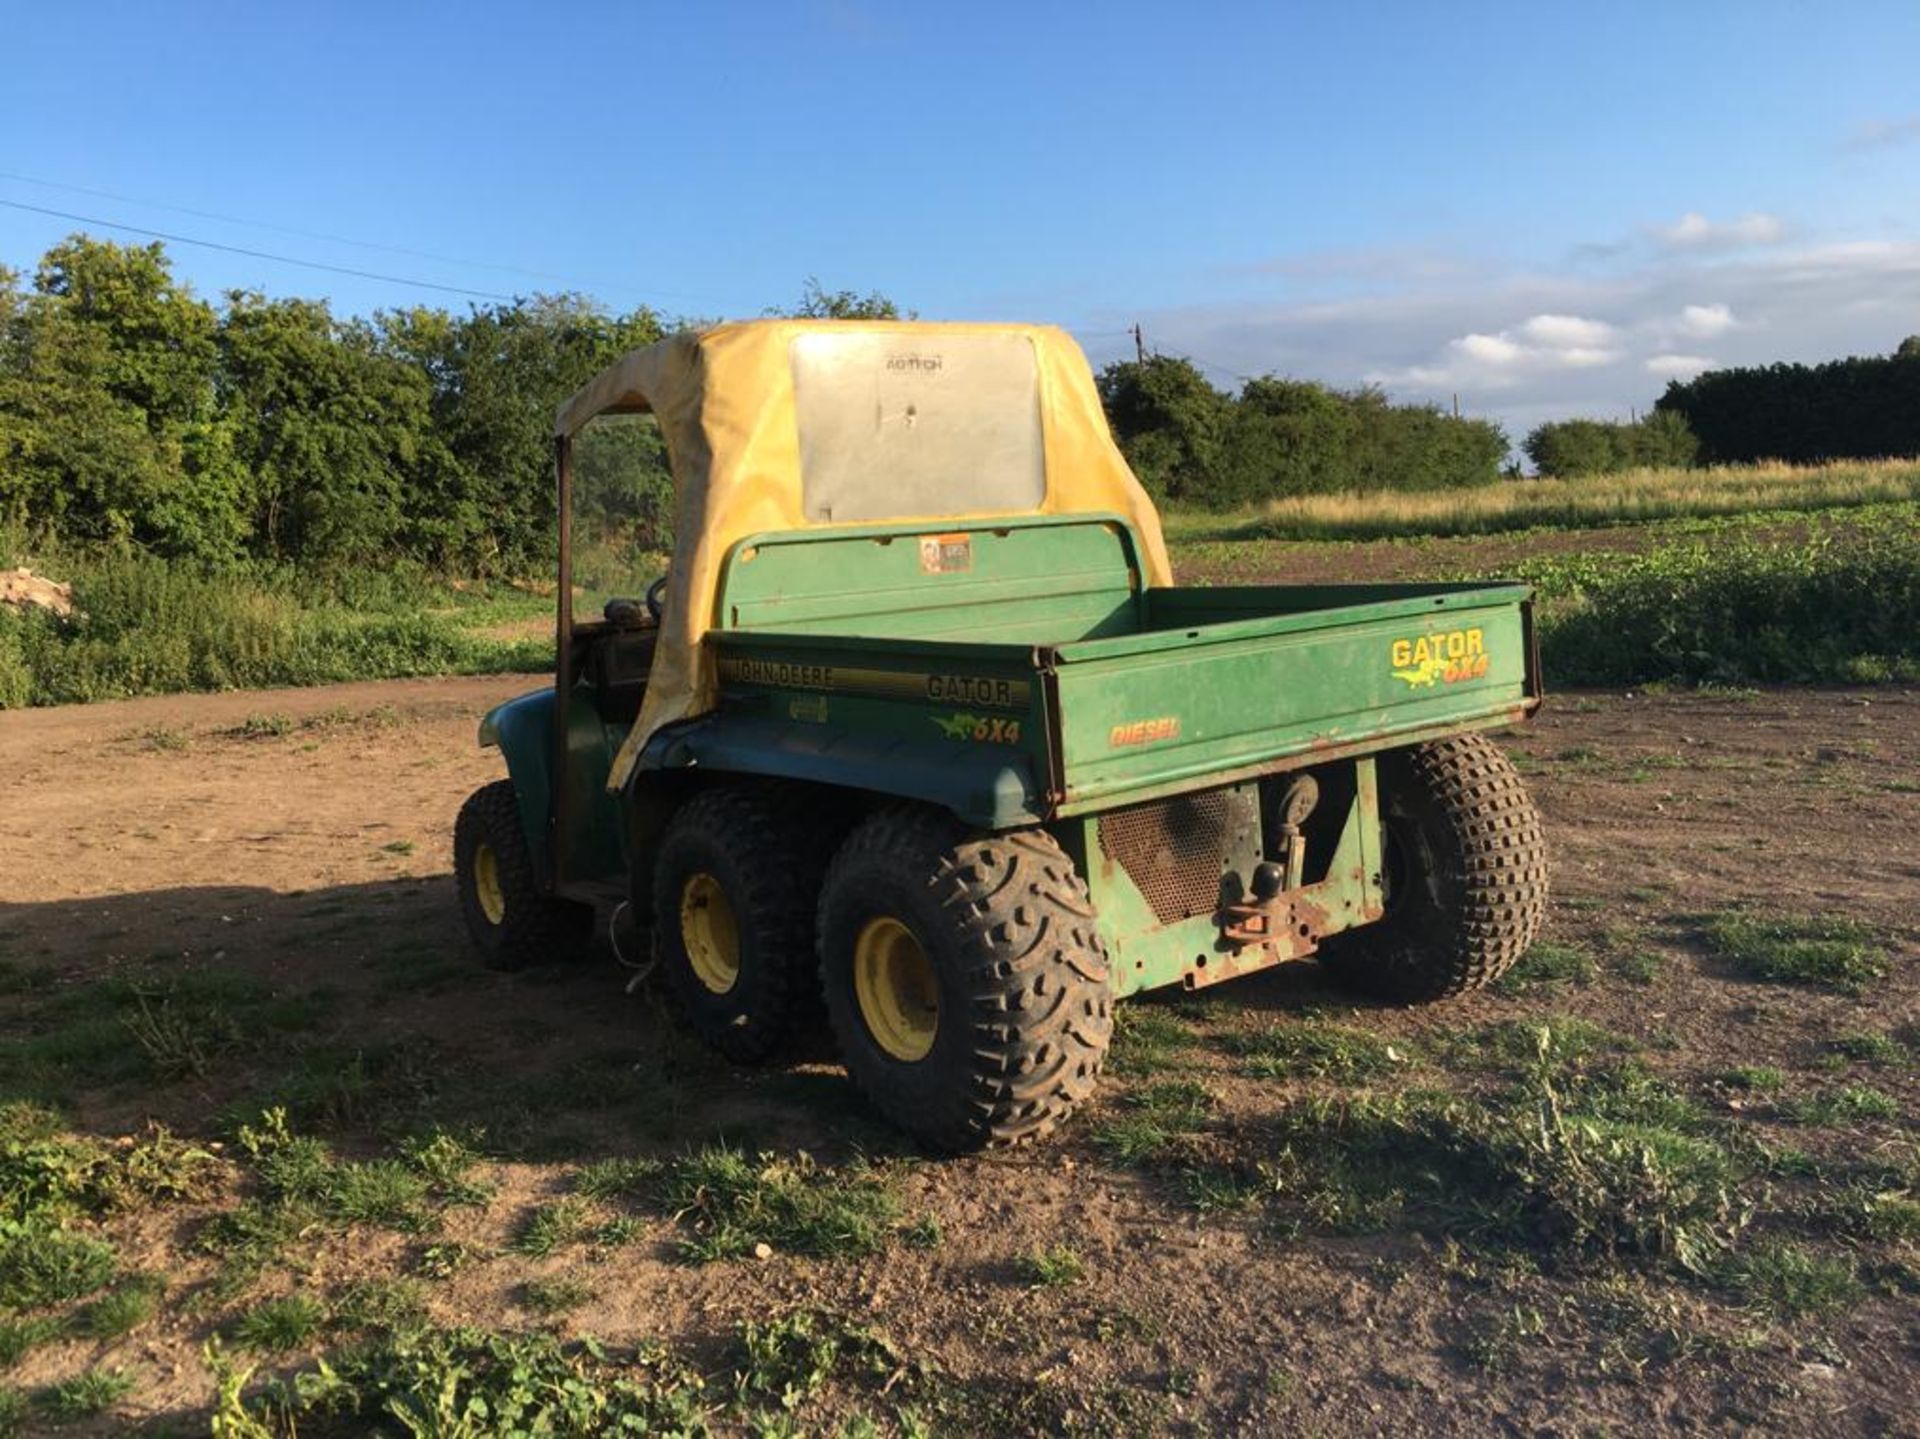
987	729
1448	656
1427	674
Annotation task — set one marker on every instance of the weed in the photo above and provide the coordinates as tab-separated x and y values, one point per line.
1880	1050
160	737
382	1305
924	1233
443	1261
399	846
731	1202
1053	1268
787	1360
126	1308
466	1382
1312	1047
1546	966
264	726
1757	1078
279	1325
1830	953
1790	1281
85	1395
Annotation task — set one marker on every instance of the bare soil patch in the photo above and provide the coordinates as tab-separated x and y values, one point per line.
300	842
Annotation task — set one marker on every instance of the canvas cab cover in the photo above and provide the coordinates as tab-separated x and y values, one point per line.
776	425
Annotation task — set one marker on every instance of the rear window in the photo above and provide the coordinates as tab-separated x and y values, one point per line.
896	425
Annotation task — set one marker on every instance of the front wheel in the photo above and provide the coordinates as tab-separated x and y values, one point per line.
511	922
1465	872
964	979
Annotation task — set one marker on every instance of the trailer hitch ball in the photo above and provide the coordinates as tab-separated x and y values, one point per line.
1268	880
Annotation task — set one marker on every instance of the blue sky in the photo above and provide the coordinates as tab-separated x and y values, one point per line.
1543	208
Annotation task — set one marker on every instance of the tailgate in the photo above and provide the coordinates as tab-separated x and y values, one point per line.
1233	681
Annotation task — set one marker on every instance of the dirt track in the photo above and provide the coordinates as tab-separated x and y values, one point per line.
311	847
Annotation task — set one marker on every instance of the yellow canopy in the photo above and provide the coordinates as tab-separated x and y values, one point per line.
776	425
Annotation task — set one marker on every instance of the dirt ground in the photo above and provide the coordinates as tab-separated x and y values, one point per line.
304	838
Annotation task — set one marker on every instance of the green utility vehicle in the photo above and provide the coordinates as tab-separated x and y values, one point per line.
919	725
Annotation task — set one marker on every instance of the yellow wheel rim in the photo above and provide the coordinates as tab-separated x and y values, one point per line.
709	932
486	884
894	983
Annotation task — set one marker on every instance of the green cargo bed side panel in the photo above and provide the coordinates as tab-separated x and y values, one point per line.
1220	686
992	786
1031	580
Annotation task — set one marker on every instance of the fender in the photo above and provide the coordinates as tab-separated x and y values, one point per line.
991	786
522	730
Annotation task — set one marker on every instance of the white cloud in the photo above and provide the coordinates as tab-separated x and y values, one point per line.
1703	322
1567	332
1543	342
1694	231
1676	367
1504	345
1883	133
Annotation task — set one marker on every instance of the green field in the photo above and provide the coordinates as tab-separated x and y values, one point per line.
1665	579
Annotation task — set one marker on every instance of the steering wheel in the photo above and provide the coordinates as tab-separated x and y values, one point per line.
656	598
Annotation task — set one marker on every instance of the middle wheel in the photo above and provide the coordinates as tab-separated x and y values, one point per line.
964	978
733	897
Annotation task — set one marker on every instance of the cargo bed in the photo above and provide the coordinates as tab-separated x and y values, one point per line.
1101	693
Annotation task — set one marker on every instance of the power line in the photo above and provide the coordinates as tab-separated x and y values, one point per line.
289	229
255	254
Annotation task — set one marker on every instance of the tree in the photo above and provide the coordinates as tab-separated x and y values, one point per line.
109	409
1169	422
819	304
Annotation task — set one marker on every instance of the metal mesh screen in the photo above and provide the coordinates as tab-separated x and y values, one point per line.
1175	850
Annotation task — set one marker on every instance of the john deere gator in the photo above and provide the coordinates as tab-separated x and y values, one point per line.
918	724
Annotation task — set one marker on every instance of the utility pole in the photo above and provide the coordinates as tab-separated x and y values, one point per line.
1456	404
1139	344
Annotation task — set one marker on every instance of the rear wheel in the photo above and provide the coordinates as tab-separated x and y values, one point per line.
733	902
963	978
511	922
1465	872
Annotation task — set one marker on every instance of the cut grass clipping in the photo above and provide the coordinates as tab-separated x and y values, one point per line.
1836	954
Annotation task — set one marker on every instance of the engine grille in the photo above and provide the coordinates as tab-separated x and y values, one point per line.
1175	850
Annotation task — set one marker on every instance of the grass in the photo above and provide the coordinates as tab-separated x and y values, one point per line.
1827	953
1154	1121
130	1305
1575	1163
82	1397
1790	1281
1148	1038
1631	497
146	626
557	1293
280	1326
1548	966
1847	1105
730	1203
1317	1049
